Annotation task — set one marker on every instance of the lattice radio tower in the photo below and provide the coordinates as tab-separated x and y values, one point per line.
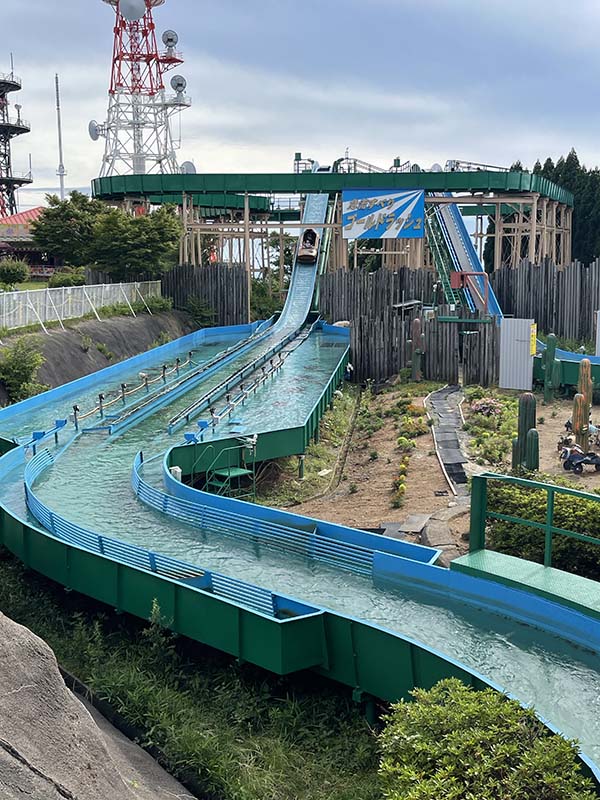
138	131
10	126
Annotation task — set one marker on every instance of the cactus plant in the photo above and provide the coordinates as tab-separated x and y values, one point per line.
527	417
417	350
532	450
585	386
551	367
581	415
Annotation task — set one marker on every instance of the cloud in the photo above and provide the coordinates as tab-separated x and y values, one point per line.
427	81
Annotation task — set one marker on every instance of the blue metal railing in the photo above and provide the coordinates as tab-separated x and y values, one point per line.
245	594
291	541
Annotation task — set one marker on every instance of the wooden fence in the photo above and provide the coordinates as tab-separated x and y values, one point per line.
441	361
562	300
225	291
480	354
379	347
346	295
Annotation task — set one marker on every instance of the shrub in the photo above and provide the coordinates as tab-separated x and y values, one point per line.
19	365
67	276
412	427
86	343
199	310
405	444
454	743
102	348
162	338
570	513
492	424
155	304
487	406
13	270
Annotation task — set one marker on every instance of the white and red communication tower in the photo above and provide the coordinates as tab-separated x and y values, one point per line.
138	132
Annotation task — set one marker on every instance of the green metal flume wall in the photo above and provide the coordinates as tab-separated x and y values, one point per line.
352	652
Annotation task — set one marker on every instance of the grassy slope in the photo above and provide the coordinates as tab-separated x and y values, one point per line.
245	734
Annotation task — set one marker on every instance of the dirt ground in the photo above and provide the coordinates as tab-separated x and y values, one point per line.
549	432
363	497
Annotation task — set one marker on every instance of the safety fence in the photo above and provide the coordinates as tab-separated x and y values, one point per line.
284	539
254	597
481	512
41	306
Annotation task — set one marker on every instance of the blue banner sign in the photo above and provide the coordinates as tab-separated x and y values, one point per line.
383	214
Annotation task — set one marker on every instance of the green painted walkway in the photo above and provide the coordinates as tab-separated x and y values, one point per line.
581	594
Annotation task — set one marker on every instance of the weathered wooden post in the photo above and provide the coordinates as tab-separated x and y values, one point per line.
417	350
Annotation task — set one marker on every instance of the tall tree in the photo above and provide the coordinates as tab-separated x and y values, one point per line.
126	247
65	228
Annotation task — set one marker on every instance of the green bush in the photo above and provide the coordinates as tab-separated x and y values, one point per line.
12	271
405	445
492	424
264	300
199	310
19	365
412	427
155	304
454	743
67	276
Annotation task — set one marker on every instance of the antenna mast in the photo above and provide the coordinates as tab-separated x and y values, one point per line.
61	172
138	127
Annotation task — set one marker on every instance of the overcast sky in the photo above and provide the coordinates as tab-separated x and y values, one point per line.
426	80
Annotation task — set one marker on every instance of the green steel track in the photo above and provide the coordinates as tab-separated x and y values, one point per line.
119	187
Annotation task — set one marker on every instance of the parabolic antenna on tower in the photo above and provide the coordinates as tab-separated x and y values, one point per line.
134	9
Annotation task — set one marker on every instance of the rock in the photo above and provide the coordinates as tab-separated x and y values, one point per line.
50	747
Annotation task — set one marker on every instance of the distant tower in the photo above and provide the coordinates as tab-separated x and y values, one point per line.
137	130
10	126
61	171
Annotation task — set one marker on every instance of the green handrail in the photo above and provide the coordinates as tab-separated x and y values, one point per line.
480	512
210	472
441	258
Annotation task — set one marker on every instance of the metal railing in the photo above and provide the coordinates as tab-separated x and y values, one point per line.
246	594
15	122
284	539
233	380
480	512
10	77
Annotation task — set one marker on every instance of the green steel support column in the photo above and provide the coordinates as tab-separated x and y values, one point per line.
478	513
548	535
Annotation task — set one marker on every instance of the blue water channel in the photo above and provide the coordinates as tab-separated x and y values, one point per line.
90	485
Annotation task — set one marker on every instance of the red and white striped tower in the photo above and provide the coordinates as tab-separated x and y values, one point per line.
138	130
